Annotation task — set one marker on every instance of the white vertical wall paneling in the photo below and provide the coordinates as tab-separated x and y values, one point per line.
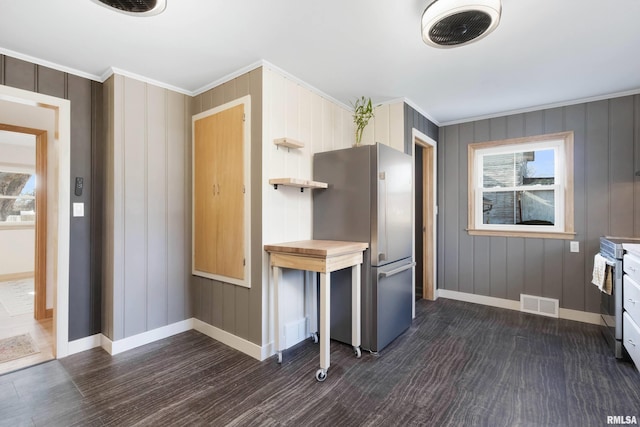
305	167
317	137
293	111
396	125
386	127
328	128
381	122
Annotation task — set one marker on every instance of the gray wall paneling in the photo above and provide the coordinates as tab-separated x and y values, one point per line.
236	309
82	301
147	205
606	193
413	119
84	271
636	138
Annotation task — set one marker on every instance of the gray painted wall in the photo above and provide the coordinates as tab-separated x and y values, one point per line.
606	195
147	207
413	119
236	309
84	271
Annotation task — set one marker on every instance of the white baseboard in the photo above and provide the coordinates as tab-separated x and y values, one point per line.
580	316
84	344
565	313
233	341
480	299
116	347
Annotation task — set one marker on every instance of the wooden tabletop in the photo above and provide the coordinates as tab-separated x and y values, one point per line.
317	248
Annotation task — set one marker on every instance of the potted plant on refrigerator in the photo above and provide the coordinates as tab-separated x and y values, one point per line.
362	113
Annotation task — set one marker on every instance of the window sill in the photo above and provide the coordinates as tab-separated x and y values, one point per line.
518	233
17	225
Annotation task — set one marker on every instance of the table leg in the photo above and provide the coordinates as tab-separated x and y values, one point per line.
278	341
355	309
325	325
311	306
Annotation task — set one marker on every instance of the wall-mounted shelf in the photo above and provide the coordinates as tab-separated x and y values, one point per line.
288	142
295	182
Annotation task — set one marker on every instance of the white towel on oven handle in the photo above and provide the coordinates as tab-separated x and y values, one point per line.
600	273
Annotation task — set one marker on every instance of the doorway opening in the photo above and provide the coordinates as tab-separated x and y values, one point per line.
425	215
31	112
27	325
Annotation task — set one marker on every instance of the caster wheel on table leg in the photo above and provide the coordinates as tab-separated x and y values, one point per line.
314	337
279	357
321	375
356	350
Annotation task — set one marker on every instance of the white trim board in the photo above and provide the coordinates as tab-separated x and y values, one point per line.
115	347
247	347
147	337
565	313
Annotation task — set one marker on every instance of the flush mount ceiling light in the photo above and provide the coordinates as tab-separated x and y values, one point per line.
451	23
135	7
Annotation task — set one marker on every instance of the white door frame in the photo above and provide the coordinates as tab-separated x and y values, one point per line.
62	145
421	139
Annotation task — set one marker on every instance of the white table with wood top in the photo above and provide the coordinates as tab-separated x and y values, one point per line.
322	257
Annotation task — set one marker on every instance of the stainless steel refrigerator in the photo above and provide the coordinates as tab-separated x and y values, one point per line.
368	200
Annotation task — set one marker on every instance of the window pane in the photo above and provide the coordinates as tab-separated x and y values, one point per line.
16	184
17	210
518	168
21	206
519	207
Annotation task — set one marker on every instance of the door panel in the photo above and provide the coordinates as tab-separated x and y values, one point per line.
394	205
219	193
230	197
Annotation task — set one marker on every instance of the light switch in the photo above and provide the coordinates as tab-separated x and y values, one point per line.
78	209
574	247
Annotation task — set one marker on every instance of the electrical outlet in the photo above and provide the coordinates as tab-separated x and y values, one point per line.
574	247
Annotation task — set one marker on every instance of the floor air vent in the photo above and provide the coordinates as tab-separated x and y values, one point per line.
539	305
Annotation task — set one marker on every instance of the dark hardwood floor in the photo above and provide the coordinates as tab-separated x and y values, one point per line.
460	364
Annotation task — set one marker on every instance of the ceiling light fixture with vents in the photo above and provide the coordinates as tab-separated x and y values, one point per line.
135	7
452	23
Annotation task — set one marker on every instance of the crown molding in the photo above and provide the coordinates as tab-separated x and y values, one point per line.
112	70
49	64
544	107
415	106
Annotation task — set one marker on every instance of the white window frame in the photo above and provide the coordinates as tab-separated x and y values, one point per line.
562	144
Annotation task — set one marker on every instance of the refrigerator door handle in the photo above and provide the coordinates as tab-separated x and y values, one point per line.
383	239
397	270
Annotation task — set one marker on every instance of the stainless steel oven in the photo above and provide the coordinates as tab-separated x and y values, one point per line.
611	305
611	248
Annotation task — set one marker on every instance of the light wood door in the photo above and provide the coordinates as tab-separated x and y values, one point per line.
219	193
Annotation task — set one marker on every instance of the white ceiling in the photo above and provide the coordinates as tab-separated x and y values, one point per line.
544	52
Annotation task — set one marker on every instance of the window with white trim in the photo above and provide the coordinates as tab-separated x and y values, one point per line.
522	187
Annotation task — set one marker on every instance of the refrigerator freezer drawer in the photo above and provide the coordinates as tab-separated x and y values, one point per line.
391	302
386	304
